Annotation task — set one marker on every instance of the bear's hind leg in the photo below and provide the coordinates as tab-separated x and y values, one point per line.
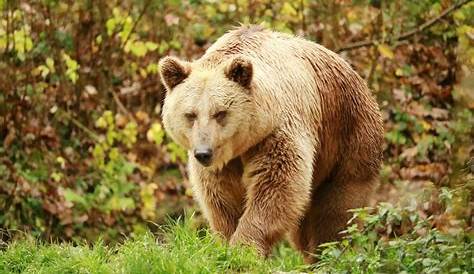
328	214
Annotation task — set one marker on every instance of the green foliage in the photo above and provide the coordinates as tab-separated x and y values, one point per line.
71	68
398	240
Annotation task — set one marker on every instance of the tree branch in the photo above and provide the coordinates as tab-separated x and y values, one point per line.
145	8
78	124
407	34
121	107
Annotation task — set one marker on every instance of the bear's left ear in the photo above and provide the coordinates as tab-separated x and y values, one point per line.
173	71
240	70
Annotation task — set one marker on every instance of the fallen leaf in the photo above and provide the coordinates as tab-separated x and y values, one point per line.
385	51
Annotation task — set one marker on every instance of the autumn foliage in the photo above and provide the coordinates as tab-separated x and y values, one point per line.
83	153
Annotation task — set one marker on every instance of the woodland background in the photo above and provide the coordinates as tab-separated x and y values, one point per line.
83	154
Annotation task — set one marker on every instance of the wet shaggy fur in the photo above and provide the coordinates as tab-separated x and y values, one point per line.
299	143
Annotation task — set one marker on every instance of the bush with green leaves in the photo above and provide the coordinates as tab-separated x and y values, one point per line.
399	240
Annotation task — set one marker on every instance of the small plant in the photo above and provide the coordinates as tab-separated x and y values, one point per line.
112	189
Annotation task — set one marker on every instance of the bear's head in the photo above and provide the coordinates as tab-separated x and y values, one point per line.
209	110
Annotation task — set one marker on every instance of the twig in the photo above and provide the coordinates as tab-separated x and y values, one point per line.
121	107
78	124
7	11
378	26
303	19
145	8
407	34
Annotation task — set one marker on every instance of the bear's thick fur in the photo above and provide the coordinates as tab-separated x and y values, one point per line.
283	137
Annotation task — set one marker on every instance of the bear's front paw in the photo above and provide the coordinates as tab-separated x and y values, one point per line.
250	239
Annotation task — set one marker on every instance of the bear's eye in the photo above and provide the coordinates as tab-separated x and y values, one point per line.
190	116
220	116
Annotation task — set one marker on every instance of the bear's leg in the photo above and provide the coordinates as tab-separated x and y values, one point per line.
328	214
220	195
278	177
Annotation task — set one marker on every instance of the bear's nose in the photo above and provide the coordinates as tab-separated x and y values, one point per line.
204	156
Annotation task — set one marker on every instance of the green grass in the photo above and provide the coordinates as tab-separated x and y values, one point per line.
179	249
388	239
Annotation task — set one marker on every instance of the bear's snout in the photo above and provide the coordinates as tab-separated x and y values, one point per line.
203	155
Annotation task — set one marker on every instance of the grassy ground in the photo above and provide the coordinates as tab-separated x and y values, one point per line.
384	239
180	249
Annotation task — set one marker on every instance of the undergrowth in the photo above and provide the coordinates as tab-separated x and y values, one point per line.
385	239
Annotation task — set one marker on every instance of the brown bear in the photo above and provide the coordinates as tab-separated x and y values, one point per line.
284	137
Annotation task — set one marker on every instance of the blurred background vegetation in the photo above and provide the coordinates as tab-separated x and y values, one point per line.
83	153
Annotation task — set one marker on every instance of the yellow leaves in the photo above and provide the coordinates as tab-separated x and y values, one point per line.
117	20
50	64
426	126
19	39
120	203
147	195
107	119
22	41
225	7
466	50
129	134
71	68
399	72
404	71
385	51
61	161
137	48
142	117
151	46
464	13
289	10
3	37
353	15
100	123
140	48
57	176
176	152
123	25
152	68
96	46
155	134
44	70
210	11
110	26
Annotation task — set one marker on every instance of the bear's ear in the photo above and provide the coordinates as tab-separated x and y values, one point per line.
240	70
173	71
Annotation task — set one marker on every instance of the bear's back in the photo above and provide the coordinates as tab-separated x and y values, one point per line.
302	82
282	79
284	65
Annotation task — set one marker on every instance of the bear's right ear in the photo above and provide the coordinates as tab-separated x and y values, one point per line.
173	71
240	70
